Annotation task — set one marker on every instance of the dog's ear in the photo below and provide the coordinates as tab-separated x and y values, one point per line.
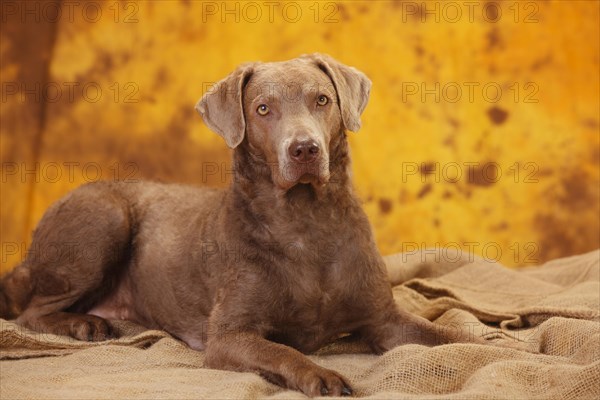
352	87
222	109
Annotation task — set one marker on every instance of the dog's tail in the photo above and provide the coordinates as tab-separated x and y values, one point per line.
15	291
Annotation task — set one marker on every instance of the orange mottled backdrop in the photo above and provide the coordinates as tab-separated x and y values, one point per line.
482	131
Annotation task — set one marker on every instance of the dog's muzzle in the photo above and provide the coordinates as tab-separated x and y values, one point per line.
305	162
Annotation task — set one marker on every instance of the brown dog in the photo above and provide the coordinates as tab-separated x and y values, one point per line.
278	265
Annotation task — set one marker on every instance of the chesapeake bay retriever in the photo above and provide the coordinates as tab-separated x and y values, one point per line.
277	265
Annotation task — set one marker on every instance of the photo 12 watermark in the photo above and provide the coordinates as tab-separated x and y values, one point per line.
291	91
470	11
69	92
521	253
68	172
470	92
67	11
480	173
270	11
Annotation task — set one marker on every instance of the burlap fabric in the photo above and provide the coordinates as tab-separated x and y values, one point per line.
554	308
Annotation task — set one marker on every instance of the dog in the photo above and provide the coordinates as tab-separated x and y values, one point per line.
257	275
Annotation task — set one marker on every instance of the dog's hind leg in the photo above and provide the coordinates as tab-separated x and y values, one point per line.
78	251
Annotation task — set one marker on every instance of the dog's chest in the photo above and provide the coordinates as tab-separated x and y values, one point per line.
317	306
322	281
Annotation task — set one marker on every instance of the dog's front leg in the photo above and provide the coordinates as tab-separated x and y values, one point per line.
283	365
401	327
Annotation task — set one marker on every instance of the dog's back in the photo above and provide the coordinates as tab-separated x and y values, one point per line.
111	227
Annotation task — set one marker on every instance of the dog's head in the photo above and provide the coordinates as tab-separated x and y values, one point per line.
287	113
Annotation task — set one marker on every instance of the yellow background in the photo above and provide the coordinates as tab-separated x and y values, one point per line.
528	160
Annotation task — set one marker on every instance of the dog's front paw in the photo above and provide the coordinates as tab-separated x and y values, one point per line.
90	328
322	382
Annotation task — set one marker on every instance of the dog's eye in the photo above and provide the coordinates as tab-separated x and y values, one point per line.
322	100
263	109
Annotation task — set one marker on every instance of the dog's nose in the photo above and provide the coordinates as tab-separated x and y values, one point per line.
303	151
